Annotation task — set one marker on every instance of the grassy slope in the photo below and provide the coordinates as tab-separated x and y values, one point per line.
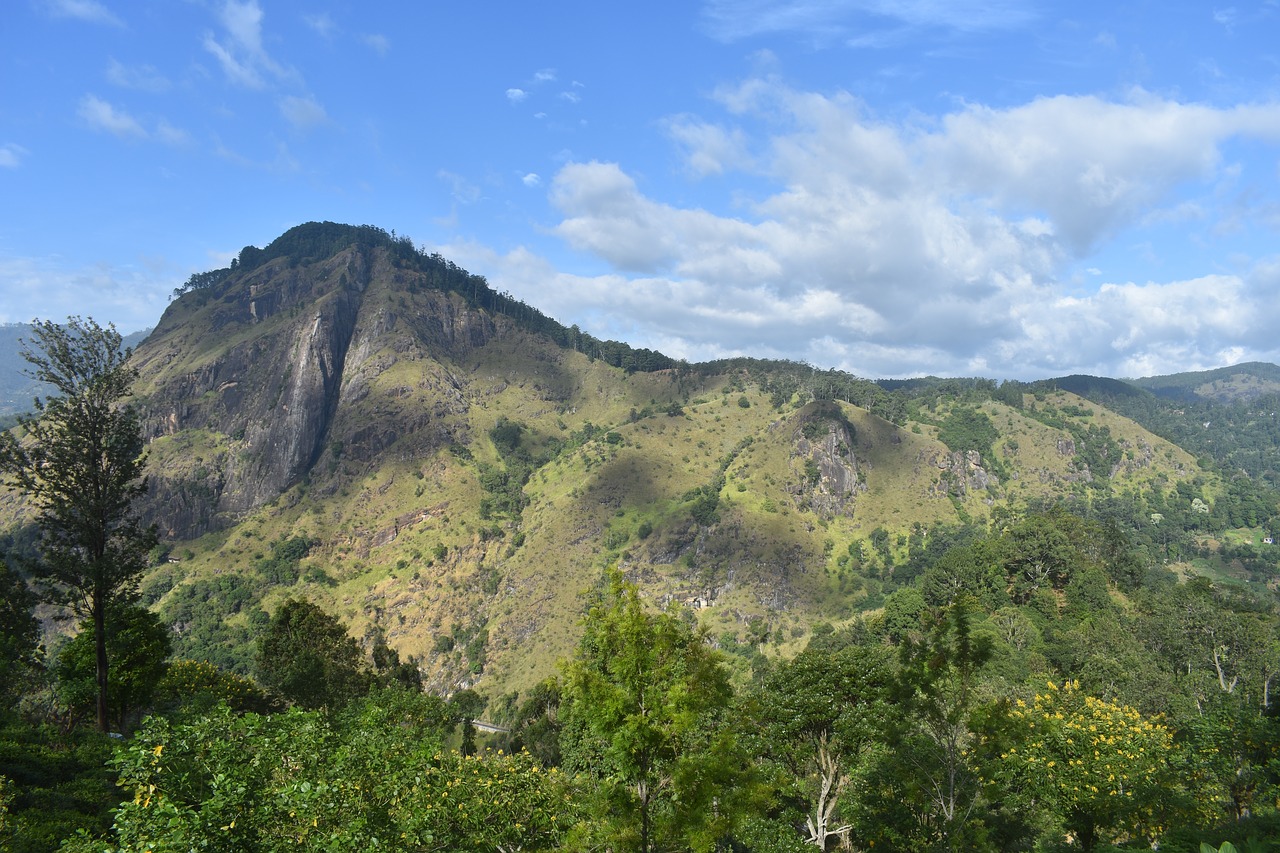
400	537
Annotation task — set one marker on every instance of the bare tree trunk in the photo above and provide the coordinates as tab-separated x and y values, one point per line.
830	785
642	789
100	647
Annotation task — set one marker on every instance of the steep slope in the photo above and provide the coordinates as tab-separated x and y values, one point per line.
340	417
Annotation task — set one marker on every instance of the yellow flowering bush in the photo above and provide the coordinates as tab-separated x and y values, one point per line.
202	683
1103	769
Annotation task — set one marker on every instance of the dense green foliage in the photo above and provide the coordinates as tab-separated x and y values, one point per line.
373	776
1238	435
19	634
643	710
1009	697
138	646
306	657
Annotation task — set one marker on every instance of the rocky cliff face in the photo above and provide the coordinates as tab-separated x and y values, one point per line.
272	367
827	467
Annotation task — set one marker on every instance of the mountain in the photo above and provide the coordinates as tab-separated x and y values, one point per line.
341	417
1229	418
1240	383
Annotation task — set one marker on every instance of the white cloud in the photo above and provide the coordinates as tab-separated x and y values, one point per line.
103	116
132	295
1090	164
376	42
282	164
11	155
242	73
515	96
242	56
545	75
1226	18
100	115
143	78
570	96
90	11
710	149
303	113
931	246
463	191
171	135
828	20
531	180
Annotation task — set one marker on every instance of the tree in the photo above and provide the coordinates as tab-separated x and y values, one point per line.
80	463
466	706
308	657
19	633
1101	769
138	646
373	776
934	762
820	717
640	703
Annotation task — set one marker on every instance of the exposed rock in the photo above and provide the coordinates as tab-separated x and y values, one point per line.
824	445
287	366
961	473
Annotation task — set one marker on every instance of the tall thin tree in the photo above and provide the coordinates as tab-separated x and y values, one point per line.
79	460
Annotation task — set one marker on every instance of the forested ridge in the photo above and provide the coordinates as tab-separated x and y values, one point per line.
1064	636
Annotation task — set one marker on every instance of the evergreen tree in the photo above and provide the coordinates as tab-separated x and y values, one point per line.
308	657
640	702
79	461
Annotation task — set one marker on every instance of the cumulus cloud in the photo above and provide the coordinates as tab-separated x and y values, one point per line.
1091	165
515	96
709	149
531	180
939	246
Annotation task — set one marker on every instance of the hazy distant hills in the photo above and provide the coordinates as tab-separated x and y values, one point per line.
342	417
16	388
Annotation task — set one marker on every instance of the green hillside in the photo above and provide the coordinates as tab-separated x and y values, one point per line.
340	417
758	577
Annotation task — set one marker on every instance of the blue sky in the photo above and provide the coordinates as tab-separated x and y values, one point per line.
1007	189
